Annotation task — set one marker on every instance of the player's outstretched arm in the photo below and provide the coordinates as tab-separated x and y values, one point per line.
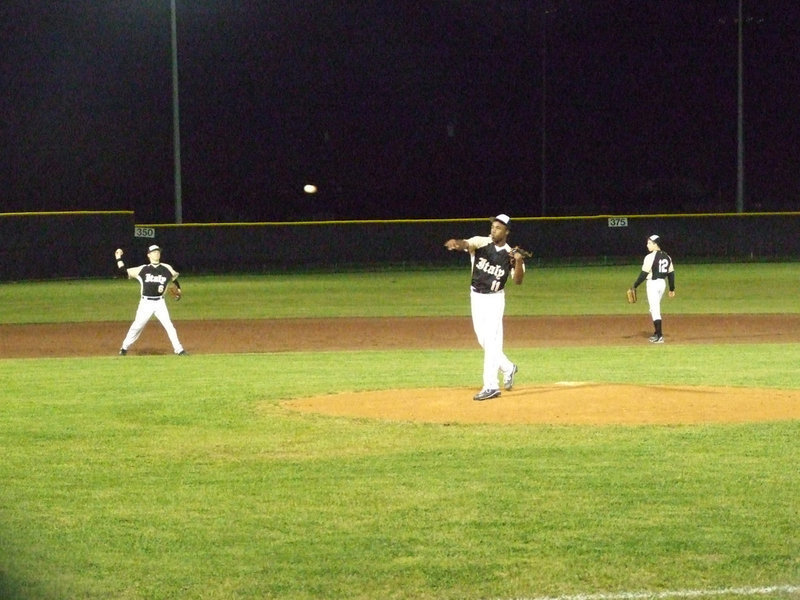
454	244
122	271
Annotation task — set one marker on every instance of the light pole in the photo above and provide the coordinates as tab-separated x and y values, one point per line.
544	109
740	120
176	127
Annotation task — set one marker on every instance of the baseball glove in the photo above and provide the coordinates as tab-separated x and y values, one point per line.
174	291
631	295
522	251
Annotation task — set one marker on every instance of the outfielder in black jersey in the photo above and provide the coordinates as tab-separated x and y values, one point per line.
154	278
657	270
493	261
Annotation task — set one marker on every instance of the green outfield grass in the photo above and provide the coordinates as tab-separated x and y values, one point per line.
702	289
159	477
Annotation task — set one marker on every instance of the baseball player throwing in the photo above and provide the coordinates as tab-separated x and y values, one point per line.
154	278
493	260
657	270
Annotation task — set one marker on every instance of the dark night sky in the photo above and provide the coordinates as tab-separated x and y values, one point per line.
397	109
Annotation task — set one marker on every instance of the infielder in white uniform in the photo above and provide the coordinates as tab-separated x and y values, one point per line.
493	260
153	281
657	270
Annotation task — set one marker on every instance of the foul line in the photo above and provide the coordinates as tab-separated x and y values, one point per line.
746	591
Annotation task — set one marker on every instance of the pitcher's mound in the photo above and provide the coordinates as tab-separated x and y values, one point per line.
565	403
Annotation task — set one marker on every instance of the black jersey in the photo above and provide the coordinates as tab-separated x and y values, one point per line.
658	265
491	265
154	279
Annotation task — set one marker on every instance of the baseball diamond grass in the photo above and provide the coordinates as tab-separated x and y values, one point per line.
154	477
702	289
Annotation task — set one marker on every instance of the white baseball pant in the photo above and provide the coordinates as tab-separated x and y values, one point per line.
487	321
655	291
148	308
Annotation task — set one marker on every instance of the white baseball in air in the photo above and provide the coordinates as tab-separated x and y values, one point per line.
310	188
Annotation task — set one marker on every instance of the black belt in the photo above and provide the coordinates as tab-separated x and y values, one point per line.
151	297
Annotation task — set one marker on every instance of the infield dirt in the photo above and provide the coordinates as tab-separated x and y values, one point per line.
286	335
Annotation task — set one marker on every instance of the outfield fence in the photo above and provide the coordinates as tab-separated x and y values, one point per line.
81	244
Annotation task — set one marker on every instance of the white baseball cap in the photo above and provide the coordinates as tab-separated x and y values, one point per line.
153	248
503	218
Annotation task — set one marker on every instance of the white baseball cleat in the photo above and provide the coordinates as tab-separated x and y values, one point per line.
486	394
508	380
